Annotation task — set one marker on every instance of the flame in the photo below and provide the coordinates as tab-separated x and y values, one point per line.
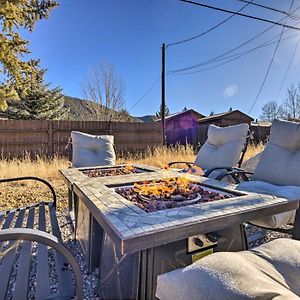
128	169
164	188
164	166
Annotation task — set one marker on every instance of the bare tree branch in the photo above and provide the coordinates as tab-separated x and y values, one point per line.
106	89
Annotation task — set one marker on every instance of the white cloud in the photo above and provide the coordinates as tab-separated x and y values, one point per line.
230	91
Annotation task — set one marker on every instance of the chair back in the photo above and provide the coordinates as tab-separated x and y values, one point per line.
280	161
92	150
223	146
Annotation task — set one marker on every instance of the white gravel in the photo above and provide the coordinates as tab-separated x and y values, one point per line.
89	280
269	236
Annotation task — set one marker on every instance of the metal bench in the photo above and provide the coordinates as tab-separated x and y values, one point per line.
34	263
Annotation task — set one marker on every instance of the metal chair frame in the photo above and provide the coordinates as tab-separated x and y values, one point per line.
63	257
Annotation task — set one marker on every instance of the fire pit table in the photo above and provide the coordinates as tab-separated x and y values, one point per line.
79	175
134	227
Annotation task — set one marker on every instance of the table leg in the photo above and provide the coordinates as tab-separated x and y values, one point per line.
296	228
119	274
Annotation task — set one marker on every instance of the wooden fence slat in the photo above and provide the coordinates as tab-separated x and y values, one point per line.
198	135
47	137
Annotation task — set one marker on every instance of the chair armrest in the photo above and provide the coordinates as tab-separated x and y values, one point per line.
228	169
188	164
34	235
33	178
235	174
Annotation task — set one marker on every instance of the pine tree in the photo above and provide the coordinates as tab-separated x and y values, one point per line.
40	101
16	15
158	114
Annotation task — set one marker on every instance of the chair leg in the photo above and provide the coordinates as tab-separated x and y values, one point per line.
296	228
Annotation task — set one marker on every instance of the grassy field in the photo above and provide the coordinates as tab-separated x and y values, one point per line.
21	194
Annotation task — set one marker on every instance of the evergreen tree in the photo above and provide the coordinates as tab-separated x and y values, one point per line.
40	101
14	16
158	114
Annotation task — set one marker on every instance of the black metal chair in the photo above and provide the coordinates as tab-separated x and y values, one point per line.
37	271
239	176
209	171
277	173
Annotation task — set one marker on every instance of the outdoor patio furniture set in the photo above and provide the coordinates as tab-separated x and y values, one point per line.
145	228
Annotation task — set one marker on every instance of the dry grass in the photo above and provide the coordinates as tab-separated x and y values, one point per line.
41	167
21	194
160	156
254	150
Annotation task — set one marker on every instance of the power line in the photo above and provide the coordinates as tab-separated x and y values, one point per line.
212	60
269	67
146	93
288	69
290	15
239	54
240	14
246	52
234	56
266	76
210	29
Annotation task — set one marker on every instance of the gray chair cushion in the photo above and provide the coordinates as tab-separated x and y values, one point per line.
92	150
268	272
288	192
280	161
223	146
251	164
284	255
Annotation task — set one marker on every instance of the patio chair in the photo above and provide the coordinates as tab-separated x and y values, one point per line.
92	150
270	271
27	267
277	173
224	149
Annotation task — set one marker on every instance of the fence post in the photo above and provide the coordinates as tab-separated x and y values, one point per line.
50	138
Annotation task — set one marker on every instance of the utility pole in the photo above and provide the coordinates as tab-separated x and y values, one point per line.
163	91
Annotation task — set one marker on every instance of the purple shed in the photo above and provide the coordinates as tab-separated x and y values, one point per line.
181	127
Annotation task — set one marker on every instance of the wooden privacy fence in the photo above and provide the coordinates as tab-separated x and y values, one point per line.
260	133
182	136
197	135
45	137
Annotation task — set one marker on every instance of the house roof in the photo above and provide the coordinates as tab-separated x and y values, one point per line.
182	113
222	115
261	123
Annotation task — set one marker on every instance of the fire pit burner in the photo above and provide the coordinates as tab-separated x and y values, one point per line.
112	171
178	199
169	193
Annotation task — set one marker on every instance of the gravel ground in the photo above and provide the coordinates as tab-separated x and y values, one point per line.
266	236
89	280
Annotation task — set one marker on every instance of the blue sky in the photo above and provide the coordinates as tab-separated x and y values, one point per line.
129	33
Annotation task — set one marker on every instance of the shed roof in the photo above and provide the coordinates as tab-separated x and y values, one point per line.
222	115
182	113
